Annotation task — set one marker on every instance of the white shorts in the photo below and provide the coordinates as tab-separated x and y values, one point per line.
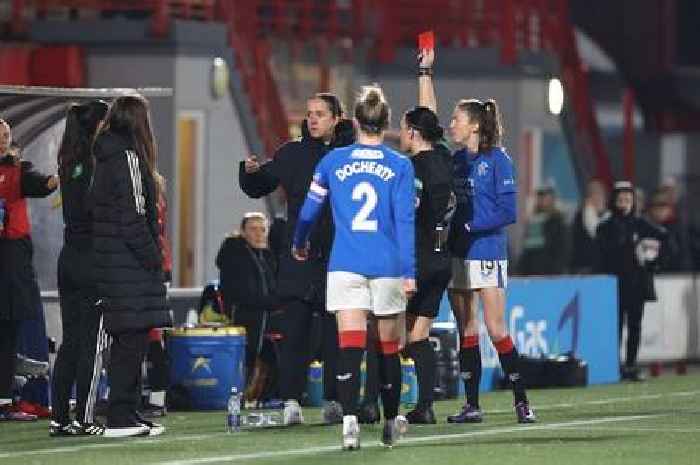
347	291
478	274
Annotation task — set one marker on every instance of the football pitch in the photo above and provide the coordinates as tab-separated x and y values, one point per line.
657	422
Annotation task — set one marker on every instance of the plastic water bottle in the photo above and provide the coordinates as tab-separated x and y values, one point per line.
233	416
192	319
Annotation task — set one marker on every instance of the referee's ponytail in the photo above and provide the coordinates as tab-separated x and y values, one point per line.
488	115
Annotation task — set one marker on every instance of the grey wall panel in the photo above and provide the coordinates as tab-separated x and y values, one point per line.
224	203
106	69
224	143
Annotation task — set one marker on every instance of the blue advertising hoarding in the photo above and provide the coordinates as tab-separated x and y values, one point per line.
557	315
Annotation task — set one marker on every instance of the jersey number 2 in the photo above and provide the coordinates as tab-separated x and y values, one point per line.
364	191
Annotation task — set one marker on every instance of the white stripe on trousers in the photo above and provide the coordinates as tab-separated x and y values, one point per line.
103	343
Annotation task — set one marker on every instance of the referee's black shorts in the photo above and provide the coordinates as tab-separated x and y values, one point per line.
433	277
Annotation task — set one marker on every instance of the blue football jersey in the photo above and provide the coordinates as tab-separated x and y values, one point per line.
486	202
372	195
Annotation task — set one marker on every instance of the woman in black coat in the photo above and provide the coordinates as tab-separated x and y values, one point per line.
629	248
247	275
128	270
303	283
76	287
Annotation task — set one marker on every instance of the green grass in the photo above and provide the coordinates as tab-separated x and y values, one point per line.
657	422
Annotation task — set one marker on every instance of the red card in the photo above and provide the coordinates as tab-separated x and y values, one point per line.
426	40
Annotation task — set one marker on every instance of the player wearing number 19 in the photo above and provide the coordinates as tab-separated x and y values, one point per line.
372	262
486	191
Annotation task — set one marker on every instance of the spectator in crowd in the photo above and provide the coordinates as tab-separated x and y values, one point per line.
292	167
128	257
247	273
545	248
588	217
629	249
672	190
76	286
19	290
675	250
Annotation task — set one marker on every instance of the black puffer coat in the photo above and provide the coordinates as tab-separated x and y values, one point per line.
128	269
292	168
247	277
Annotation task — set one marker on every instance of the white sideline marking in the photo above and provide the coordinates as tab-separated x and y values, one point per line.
610	400
644	429
192	437
111	443
432	438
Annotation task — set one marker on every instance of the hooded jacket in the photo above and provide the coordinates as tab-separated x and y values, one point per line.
619	239
292	167
128	259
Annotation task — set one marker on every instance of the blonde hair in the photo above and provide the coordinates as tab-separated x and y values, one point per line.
372	111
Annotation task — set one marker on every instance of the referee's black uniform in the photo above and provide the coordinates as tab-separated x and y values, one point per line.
433	171
76	287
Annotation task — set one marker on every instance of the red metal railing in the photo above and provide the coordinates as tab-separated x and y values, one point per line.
252	60
511	26
587	138
251	52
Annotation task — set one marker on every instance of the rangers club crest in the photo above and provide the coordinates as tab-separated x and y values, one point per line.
482	168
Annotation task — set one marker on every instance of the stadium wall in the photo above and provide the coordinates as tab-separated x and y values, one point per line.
121	53
671	325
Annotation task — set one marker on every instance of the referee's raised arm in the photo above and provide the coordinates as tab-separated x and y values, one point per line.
426	89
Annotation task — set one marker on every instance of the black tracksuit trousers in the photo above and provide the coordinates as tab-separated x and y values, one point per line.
127	353
80	319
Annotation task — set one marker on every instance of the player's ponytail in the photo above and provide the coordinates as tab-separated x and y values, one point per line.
488	115
372	111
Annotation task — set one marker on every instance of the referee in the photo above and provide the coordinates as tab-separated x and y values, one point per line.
420	138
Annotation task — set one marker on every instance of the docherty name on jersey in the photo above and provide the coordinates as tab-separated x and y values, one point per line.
369	167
